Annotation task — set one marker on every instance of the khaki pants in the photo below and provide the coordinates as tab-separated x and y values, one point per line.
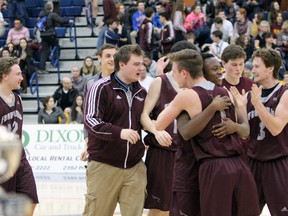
107	185
133	36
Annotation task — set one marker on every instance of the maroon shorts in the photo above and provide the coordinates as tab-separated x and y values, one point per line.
185	203
272	183
22	182
227	187
160	163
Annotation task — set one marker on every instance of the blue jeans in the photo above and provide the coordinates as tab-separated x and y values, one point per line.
16	9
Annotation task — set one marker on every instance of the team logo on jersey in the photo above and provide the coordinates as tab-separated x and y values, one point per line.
118	97
275	99
284	209
156	198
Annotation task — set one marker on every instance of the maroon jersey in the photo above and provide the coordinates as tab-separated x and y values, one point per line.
244	83
11	116
262	145
206	144
164	100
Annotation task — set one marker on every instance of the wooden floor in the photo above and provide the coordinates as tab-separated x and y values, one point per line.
63	195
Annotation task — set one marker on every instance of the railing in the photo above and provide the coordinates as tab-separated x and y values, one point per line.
89	17
73	37
35	89
54	57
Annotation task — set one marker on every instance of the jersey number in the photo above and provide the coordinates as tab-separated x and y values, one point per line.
261	134
13	127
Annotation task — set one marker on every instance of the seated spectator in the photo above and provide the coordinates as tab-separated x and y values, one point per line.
16	10
151	65
274	10
145	79
195	19
120	16
111	35
226	24
277	24
76	111
218	45
242	25
259	41
24	54
218	23
248	70
65	94
156	19
50	114
78	81
270	42
285	79
245	42
15	34
258	17
228	8
192	39
167	36
282	39
12	49
137	19
252	7
88	69
5	52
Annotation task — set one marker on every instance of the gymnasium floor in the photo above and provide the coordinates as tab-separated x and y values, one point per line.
63	195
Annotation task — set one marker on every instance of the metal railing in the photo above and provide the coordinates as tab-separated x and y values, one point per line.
89	17
54	58
35	89
73	37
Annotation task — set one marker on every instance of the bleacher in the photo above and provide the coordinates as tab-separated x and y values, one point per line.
70	9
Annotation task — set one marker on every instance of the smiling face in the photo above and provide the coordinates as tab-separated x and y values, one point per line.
261	73
14	78
88	62
212	71
107	60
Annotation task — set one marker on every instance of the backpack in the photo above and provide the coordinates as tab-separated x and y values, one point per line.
41	24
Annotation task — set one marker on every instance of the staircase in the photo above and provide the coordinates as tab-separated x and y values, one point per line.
48	83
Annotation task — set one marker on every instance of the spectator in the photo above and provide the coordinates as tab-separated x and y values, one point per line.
252	7
94	4
5	52
88	69
65	94
286	78
208	9
258	17
137	19
226	24
16	10
245	42
120	16
50	114
195	19
145	79
150	64
277	24
228	8
24	55
156	19
167	37
191	38
274	10
248	70
178	21
218	45
109	8
282	38
242	25
146	32
218	25
15	34
49	36
111	35
77	110
259	41
78	81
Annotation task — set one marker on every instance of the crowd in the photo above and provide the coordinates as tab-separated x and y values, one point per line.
208	85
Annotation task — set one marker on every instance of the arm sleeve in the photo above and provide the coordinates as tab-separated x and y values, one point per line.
95	107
